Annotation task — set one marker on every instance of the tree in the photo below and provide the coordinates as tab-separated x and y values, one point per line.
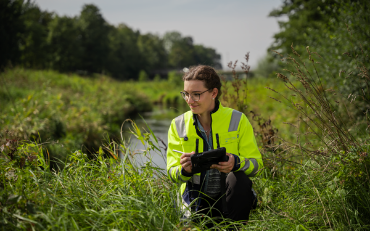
33	45
180	50
94	39
322	25
143	76
183	53
64	41
152	51
207	56
10	27
125	60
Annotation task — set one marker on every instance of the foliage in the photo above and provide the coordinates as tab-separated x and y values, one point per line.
143	76
238	97
316	172
87	44
123	50
336	29
157	78
103	193
94	39
155	54
66	112
65	44
33	40
267	67
183	53
10	28
175	78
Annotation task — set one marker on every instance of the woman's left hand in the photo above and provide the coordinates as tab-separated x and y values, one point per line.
225	167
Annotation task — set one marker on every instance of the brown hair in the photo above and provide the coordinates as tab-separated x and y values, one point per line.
206	74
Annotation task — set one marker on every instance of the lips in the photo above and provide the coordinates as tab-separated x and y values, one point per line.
193	106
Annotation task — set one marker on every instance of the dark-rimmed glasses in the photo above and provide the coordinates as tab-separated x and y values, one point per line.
195	95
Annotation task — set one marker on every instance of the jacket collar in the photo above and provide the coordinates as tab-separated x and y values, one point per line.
217	106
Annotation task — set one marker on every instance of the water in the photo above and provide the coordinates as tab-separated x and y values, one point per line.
159	122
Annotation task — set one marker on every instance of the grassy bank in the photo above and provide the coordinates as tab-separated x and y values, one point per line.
68	112
112	194
310	181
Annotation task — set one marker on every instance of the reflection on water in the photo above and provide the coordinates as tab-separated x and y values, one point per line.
159	122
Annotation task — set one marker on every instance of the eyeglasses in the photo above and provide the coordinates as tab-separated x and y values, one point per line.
194	96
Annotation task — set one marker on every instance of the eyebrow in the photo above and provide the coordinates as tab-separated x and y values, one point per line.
193	91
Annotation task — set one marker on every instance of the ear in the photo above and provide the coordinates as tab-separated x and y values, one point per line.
214	93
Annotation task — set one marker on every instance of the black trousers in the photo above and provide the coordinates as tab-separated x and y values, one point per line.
239	199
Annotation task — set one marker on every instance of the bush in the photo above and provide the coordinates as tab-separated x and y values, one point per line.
143	76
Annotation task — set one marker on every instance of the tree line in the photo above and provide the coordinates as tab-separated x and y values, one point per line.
87	43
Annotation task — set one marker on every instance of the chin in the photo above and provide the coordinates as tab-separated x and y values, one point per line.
194	110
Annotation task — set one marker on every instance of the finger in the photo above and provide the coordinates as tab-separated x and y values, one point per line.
185	160
216	166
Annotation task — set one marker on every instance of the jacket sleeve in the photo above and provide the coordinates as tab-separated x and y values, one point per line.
250	158
174	168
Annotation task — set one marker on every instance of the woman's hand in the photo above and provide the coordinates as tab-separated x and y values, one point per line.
225	167
185	161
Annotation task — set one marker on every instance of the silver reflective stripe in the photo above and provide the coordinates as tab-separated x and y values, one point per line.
185	209
170	172
178	175
180	126
255	169
235	119
195	179
246	166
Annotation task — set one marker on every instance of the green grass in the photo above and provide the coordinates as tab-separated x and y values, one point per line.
106	193
74	111
297	189
100	194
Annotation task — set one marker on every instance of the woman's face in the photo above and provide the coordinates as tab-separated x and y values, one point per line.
206	101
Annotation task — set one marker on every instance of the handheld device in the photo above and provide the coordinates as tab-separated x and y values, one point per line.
203	161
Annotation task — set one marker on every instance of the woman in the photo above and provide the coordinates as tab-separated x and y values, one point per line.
210	123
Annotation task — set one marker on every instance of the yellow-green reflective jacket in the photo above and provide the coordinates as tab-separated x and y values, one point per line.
235	134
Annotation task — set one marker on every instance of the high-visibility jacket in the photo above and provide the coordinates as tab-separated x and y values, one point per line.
235	134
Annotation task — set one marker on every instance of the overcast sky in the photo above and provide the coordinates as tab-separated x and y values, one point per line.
231	27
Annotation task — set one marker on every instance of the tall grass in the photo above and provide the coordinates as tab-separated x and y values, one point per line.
67	112
99	194
320	179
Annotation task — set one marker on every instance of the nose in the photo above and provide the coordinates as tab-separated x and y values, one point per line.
190	100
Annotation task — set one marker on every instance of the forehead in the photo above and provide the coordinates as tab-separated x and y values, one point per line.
194	85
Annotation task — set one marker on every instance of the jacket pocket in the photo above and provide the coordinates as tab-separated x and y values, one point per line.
230	140
189	144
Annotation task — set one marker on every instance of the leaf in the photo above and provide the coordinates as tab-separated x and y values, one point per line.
23	218
151	132
31	208
12	199
137	132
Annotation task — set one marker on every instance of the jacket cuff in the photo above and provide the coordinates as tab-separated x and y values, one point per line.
184	173
236	163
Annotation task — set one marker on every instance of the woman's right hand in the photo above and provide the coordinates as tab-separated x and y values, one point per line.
185	161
